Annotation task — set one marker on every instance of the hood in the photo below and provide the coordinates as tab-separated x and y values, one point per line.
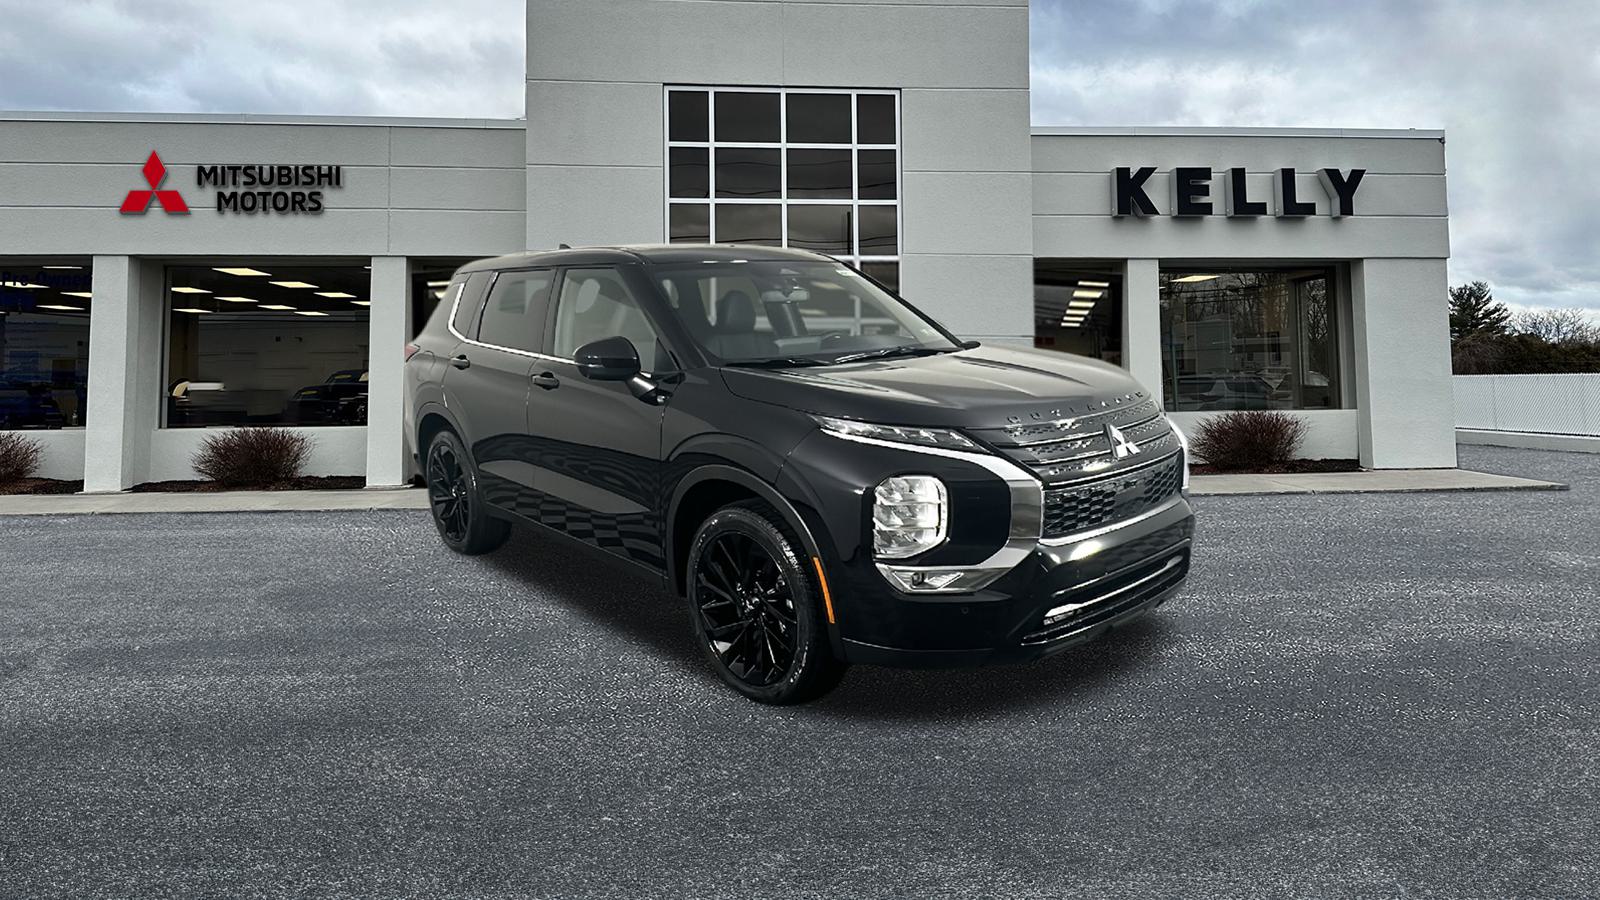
986	387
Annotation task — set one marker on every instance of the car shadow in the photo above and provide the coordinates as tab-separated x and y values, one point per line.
640	610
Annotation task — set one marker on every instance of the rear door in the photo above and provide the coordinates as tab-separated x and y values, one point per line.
486	382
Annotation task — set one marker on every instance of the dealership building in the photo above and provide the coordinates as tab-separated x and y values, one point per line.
168	275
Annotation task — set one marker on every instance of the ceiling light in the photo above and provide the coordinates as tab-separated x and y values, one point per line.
84	294
60	307
274	306
336	295
437	283
186	309
1191	279
1081	304
362	302
189	290
71	268
1092	295
245	272
309	312
1098	284
25	285
236	300
297	285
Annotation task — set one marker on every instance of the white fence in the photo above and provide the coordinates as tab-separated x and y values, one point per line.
1540	404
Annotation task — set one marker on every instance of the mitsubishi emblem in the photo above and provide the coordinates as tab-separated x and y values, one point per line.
1121	447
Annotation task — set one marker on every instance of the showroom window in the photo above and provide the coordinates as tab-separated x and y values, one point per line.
1077	309
811	169
44	344
266	344
1249	340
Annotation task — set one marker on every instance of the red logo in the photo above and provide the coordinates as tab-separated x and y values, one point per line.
138	202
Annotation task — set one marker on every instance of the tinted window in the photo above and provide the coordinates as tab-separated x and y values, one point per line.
689	223
826	229
747	117
514	316
688	111
44	345
875	119
596	304
820	173
819	118
471	291
750	223
877	174
744	172
689	171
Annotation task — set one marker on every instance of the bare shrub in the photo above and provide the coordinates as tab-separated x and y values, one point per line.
19	457
1249	441
252	457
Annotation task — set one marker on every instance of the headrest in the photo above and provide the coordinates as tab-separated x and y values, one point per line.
736	312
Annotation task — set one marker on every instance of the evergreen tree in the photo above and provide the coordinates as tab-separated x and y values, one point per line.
1474	312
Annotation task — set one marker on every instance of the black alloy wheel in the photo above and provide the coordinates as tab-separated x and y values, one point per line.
755	607
458	511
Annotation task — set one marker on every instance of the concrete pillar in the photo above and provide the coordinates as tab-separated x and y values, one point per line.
1141	323
126	358
1400	320
390	331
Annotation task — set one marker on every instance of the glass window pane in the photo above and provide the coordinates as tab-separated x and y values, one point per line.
1249	340
597	304
689	171
875	119
1077	310
690	223
878	177
515	313
688	116
885	273
819	173
747	173
285	347
742	223
746	117
819	118
44	345
826	229
879	231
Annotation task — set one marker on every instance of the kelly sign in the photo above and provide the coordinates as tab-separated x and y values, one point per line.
1191	193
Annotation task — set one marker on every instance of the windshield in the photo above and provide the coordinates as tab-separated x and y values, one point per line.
793	312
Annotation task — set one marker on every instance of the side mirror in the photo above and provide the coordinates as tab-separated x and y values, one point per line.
608	359
971	345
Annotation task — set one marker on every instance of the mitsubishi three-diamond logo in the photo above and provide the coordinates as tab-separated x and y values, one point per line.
138	201
1121	447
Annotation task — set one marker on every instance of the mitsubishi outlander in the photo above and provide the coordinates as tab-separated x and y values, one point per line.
823	473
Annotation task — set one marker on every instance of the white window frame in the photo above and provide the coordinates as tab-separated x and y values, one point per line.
711	201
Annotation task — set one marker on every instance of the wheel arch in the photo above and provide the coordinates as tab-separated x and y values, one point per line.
709	488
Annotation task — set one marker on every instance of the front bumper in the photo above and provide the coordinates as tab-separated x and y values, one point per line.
1060	595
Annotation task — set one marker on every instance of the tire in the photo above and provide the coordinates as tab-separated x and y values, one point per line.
454	498
750	587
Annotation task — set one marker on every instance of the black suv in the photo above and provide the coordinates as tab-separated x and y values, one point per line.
826	474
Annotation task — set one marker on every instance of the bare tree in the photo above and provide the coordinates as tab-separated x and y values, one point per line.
1558	326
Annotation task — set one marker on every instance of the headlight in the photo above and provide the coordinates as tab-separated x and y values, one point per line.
899	434
910	514
1184	443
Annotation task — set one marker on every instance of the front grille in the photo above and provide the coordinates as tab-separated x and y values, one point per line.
1079	448
1084	606
1070	510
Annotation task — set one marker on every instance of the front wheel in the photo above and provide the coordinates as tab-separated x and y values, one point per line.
755	607
458	509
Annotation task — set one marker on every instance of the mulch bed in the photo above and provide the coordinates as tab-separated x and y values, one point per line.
303	483
41	486
1293	467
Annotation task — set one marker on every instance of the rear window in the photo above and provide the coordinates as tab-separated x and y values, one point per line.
469	293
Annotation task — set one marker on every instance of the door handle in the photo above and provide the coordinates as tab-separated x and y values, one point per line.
547	380
461	362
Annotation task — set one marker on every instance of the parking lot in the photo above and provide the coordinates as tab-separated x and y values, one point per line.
1374	695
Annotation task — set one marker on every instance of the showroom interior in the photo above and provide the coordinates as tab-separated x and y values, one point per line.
1227	268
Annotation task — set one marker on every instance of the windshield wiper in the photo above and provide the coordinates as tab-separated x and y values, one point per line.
903	350
777	362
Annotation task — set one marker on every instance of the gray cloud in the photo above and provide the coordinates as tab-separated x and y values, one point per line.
1514	85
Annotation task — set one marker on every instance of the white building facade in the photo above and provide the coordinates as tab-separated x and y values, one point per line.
168	275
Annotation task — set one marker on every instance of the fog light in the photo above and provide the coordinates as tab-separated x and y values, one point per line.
910	514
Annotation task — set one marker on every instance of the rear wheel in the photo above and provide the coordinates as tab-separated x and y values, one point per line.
458	509
755	607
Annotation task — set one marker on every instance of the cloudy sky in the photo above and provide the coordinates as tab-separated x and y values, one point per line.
1515	84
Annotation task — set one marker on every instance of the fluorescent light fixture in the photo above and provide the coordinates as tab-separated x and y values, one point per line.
1090	295
24	285
189	290
309	312
1191	279
362	302
336	295
236	300
60	307
244	272
69	268
206	386
437	283
274	306
1098	284
186	309
296	285
84	294
1081	304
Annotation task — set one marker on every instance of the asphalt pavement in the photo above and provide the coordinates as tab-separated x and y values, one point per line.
1392	695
